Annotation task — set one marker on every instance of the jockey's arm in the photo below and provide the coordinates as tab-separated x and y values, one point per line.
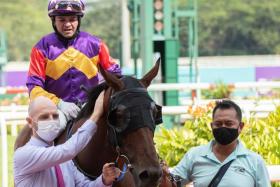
37	75
36	83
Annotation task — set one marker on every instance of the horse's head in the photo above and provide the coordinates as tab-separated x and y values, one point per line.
132	118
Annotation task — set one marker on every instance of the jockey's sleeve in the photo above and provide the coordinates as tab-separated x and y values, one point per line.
37	75
31	159
106	61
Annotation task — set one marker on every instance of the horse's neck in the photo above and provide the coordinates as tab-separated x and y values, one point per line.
101	143
97	152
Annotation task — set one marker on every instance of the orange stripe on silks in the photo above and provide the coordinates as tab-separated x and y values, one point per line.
104	57
39	91
37	64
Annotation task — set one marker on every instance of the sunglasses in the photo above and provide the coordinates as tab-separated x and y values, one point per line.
76	6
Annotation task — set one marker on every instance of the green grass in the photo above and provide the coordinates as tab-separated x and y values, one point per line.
11	141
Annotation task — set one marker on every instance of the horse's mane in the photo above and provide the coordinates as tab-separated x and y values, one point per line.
92	95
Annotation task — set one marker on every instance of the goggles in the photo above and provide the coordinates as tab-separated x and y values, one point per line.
64	5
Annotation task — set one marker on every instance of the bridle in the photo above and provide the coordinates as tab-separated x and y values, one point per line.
123	164
115	133
136	104
133	107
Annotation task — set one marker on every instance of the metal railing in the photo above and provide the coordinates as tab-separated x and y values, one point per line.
15	115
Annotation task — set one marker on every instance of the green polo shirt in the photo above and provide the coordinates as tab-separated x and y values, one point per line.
199	165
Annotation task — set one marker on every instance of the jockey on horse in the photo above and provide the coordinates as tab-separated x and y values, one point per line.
64	60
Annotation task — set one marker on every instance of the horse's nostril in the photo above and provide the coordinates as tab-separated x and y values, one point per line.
144	175
150	174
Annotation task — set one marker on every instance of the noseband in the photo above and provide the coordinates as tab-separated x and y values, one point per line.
137	105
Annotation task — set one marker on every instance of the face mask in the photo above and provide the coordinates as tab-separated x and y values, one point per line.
48	130
225	136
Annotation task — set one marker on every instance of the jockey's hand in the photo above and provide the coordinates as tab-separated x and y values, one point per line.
110	173
69	109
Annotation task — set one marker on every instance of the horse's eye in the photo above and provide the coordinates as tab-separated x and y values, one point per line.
116	115
121	117
120	110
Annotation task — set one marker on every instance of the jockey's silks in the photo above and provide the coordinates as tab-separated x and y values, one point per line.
58	69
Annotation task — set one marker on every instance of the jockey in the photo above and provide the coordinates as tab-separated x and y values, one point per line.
64	60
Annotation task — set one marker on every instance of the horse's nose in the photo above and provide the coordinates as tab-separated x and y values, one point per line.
150	175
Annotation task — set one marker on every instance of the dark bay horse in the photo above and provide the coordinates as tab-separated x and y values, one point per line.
126	128
125	131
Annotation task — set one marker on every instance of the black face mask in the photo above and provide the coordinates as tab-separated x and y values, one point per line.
224	135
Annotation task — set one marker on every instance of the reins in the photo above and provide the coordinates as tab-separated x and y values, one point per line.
126	166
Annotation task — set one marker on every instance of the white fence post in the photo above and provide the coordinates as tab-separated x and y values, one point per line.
14	124
4	152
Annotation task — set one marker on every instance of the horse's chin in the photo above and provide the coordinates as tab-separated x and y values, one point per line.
140	183
151	185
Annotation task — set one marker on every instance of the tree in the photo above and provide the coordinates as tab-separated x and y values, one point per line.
225	27
239	27
104	20
24	24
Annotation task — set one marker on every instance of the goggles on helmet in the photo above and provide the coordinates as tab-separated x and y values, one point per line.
64	5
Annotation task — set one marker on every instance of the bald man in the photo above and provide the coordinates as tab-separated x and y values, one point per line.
40	163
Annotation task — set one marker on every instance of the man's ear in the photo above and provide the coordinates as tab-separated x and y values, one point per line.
211	125
29	122
241	125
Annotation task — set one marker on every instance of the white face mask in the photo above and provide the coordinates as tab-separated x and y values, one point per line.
48	130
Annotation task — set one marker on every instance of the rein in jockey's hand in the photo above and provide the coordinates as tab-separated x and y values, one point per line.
69	109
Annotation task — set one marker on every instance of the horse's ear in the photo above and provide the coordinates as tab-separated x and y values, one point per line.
147	79
111	79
